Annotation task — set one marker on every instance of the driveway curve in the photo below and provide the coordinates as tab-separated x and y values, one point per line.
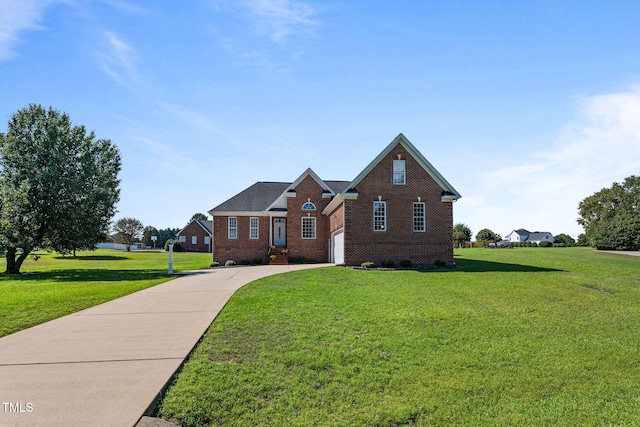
106	365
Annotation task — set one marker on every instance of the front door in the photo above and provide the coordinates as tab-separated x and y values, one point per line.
280	232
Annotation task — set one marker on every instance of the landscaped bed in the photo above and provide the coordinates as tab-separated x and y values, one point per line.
514	337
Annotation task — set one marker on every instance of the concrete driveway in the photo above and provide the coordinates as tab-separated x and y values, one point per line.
105	366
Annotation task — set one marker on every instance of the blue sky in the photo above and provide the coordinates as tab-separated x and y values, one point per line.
525	107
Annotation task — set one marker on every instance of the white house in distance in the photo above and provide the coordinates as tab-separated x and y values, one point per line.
522	235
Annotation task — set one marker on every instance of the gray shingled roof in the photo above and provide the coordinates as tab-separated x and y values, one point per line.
256	198
207	224
337	186
261	195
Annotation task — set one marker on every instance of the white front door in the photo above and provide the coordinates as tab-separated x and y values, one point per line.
279	232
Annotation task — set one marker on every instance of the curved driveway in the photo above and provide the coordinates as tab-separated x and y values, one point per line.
106	365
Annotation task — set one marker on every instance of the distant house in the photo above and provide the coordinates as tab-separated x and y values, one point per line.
398	208
522	235
196	236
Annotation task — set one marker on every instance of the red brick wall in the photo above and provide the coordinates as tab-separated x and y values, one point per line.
194	229
313	249
336	219
242	248
399	242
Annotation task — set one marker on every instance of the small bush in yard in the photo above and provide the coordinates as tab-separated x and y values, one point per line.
244	262
545	244
215	264
229	263
367	264
257	261
388	264
440	263
406	263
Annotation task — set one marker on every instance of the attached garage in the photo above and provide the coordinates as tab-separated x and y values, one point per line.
337	247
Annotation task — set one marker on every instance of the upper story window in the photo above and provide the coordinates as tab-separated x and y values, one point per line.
308	206
399	172
254	223
419	218
233	227
194	240
379	216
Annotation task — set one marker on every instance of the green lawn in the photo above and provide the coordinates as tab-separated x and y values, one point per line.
510	337
54	286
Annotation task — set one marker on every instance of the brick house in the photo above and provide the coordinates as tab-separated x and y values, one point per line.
196	236
398	208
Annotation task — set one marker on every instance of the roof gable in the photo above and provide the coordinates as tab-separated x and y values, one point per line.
448	190
206	226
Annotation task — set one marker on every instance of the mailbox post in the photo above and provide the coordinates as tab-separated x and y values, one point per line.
170	258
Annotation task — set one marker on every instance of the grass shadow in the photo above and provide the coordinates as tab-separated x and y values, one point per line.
93	258
96	275
478	266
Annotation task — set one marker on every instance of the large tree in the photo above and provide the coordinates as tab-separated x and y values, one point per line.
487	235
611	216
128	231
461	234
58	184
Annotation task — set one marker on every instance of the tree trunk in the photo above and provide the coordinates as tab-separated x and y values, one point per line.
13	263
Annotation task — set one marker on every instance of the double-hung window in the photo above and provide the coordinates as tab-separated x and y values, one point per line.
233	227
399	172
379	216
253	227
419	217
194	240
308	227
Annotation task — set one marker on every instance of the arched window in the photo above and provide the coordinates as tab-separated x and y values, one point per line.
308	207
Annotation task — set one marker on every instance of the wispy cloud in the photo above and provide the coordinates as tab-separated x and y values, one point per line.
118	58
16	17
125	6
542	190
281	18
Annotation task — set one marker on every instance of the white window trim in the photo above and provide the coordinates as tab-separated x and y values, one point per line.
254	231
383	217
232	226
194	240
313	221
182	239
423	217
207	240
404	172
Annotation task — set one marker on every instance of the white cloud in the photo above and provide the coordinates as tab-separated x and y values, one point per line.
16	17
117	58
541	190
280	18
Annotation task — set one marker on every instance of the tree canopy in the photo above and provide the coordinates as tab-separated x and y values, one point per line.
199	216
58	185
611	216
461	234
564	239
128	231
487	235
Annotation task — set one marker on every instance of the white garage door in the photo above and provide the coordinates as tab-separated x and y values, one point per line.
338	247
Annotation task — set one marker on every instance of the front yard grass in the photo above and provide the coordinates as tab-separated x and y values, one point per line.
54	286
510	337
